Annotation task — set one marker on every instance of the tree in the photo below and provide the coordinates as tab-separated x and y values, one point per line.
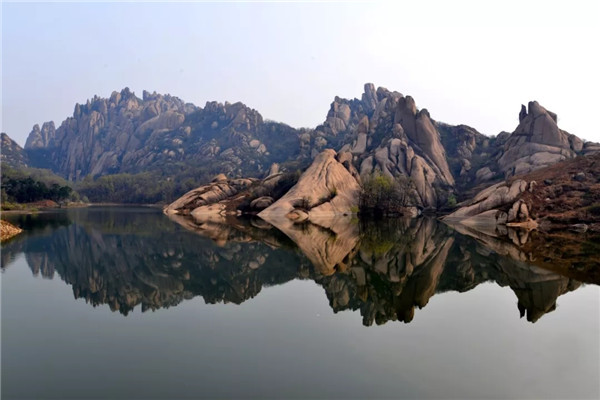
383	195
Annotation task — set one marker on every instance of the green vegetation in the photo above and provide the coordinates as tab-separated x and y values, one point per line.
451	200
382	195
29	185
127	188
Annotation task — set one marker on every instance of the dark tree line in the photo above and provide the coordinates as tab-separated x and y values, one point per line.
28	190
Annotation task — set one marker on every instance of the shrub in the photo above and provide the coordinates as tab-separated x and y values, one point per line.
381	194
451	200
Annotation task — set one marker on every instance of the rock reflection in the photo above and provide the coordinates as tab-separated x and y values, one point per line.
385	270
567	253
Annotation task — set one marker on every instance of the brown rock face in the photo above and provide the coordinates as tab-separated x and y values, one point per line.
261	203
338	117
228	197
369	97
208	195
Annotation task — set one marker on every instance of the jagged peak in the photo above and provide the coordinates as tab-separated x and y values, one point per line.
48	125
408	103
127	92
423	113
41	137
535	109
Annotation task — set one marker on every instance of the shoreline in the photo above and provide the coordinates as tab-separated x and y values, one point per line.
35	210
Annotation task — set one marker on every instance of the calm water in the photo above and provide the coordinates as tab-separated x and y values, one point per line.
127	303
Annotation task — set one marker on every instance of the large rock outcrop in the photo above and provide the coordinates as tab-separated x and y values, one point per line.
40	138
226	197
325	189
386	133
537	142
565	195
497	205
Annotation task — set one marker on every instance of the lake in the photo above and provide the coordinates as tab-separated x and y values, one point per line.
124	302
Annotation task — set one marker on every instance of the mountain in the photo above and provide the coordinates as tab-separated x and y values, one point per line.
386	133
126	134
382	133
11	153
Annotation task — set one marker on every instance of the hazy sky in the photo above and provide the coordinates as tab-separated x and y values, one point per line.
471	62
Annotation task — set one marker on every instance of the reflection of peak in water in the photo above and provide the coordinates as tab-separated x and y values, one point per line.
384	270
40	264
326	244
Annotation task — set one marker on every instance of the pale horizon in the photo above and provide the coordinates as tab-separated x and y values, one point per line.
467	63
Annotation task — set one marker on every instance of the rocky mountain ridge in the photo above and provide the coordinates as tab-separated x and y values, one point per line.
383	132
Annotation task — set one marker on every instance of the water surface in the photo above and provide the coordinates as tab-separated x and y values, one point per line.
126	303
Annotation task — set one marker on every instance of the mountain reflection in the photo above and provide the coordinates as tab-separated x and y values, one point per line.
125	258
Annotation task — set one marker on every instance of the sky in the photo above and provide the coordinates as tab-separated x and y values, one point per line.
467	62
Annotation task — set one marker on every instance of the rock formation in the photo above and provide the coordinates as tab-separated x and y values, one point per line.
11	153
41	138
326	189
124	133
325	192
560	195
230	197
385	133
211	198
495	205
537	142
382	132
